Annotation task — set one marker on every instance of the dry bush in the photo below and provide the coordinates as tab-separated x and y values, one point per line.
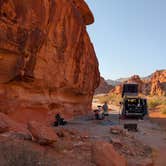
103	99
109	98
155	101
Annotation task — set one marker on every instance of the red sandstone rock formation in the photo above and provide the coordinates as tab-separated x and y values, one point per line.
12	128
134	79
117	90
158	83
103	87
44	135
47	61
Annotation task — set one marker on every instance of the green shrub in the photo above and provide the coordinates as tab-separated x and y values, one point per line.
153	102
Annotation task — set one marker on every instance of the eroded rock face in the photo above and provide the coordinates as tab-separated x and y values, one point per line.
158	83
47	58
12	128
103	87
155	85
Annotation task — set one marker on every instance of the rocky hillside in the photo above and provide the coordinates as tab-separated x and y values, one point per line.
158	83
154	85
47	61
134	79
104	87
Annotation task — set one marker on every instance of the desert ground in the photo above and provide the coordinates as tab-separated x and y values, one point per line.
146	146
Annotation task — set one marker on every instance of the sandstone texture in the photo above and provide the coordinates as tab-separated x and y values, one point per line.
158	83
47	61
4	126
42	134
11	129
103	87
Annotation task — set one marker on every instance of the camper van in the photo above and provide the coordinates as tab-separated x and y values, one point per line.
132	105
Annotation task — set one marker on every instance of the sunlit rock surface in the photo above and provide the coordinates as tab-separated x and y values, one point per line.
47	61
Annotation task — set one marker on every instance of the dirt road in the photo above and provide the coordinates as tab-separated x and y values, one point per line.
149	133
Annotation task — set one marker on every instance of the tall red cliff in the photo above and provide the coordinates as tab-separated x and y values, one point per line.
47	61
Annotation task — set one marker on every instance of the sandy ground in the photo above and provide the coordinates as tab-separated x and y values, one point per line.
149	133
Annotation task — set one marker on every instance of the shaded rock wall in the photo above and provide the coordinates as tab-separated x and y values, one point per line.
47	61
103	87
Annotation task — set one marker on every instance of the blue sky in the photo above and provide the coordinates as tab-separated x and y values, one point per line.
129	36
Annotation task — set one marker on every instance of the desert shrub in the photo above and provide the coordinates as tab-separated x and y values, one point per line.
104	98
153	102
12	154
109	98
115	99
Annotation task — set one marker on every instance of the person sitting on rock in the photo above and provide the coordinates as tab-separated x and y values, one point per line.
59	120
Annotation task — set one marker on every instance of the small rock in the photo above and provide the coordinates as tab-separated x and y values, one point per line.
116	129
116	141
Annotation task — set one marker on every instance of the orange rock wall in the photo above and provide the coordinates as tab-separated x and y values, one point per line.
47	61
158	83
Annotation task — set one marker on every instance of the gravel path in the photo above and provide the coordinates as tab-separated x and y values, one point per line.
149	133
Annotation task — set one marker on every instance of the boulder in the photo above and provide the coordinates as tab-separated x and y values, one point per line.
104	154
10	128
44	135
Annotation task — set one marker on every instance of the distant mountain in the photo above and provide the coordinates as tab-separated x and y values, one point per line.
121	80
154	84
104	87
112	82
116	82
147	78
